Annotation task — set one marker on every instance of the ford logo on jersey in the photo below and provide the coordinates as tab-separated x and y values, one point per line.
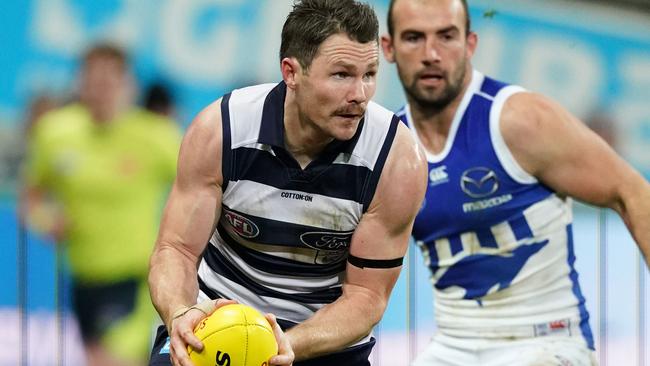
241	225
479	182
323	240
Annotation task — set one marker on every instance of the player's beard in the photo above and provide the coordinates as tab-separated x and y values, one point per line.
437	100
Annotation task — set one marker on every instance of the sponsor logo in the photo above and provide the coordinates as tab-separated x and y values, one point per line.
327	257
479	182
322	240
438	175
242	225
297	196
485	204
554	327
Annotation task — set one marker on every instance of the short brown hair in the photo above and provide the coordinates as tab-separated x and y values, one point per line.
106	50
312	21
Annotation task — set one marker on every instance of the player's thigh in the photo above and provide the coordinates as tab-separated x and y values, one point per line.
130	337
543	351
442	353
98	307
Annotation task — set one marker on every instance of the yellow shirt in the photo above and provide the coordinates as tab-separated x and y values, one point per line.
110	180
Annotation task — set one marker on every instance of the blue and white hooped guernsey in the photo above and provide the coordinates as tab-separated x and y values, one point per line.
284	233
498	243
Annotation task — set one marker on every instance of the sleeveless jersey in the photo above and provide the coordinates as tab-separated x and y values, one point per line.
498	242
284	233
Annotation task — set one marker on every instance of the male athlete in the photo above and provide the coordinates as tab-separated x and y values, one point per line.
296	198
495	227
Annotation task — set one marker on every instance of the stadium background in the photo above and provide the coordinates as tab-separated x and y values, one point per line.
594	59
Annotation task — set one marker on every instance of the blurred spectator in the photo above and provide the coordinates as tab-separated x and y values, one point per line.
158	98
95	175
37	107
12	143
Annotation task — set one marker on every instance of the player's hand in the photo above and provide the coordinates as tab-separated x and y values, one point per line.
285	354
182	327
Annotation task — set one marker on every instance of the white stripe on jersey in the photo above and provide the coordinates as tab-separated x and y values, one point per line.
284	309
305	255
344	218
249	107
285	284
549	215
502	151
372	139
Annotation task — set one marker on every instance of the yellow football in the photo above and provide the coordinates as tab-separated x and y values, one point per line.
234	335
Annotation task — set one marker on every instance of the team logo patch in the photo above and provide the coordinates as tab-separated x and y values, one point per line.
323	240
243	226
556	327
438	175
479	182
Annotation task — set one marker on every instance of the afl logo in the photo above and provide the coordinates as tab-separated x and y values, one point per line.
479	182
322	240
241	225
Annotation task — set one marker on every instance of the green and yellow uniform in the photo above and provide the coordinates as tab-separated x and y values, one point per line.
110	179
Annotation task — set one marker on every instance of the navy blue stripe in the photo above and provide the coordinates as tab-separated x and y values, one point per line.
287	234
520	227
455	244
226	158
573	275
342	181
486	239
369	192
272	125
491	86
278	265
220	265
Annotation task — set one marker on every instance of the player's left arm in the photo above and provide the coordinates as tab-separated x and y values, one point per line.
382	234
563	153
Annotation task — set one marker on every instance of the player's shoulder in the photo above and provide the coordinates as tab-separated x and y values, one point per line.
64	122
251	93
524	111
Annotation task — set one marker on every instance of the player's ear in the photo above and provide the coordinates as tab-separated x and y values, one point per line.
290	68
472	42
387	47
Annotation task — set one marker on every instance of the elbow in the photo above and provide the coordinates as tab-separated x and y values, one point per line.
376	310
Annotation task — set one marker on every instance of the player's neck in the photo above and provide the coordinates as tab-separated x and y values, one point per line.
105	112
433	125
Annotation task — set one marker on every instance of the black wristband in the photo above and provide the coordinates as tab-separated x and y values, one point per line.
374	263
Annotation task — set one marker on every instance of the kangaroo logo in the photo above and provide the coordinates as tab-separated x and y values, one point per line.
479	273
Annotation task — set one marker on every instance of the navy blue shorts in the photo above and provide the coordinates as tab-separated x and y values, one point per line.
98	307
353	356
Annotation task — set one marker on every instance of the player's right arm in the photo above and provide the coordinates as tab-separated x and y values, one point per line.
188	220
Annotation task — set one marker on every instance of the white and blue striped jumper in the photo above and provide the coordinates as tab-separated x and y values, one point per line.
284	233
498	242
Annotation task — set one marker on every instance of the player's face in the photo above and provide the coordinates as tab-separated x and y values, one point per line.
104	81
431	49
334	93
